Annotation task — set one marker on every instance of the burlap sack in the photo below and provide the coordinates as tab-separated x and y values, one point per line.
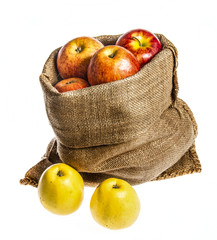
135	128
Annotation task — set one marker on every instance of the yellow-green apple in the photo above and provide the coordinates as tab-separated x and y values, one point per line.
142	43
111	63
115	204
60	189
71	84
74	57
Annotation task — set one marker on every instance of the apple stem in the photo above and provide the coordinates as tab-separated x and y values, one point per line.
70	82
60	173
112	54
78	49
137	40
115	186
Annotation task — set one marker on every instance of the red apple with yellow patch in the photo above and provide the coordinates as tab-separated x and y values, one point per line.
142	43
71	84
111	63
74	57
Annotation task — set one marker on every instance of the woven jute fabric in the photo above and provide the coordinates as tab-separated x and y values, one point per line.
136	128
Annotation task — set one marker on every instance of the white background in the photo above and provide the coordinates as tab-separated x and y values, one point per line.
180	208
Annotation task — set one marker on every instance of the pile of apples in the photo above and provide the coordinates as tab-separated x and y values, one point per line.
85	61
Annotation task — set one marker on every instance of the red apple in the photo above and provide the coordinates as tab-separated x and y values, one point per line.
71	84
74	57
111	63
142	43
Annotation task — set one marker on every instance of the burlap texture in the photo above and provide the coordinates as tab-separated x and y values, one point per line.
135	128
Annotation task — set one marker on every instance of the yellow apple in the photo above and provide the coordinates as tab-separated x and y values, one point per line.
61	189
115	204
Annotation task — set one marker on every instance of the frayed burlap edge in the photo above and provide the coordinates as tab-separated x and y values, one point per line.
40	167
50	157
195	167
28	181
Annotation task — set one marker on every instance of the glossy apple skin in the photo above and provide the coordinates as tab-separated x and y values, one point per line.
115	204
74	57
142	43
61	189
111	63
71	84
